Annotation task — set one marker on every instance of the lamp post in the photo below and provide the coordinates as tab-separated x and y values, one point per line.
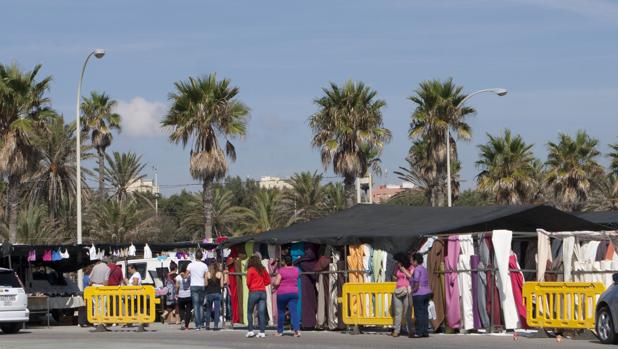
98	53
500	92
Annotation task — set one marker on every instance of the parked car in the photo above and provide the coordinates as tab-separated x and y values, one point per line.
13	302
606	314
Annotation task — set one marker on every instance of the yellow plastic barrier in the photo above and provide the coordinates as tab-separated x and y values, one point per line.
561	304
367	303
121	304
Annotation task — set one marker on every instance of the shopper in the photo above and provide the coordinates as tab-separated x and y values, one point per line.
115	273
421	294
99	275
401	297
198	271
135	279
286	282
213	294
257	280
185	304
171	299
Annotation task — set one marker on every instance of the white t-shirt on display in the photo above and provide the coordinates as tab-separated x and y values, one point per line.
135	276
182	292
198	270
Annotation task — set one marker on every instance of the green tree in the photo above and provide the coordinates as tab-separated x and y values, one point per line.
98	120
613	167
472	197
305	199
23	105
604	196
571	166
507	169
123	171
202	110
267	212
438	111
118	221
413	197
334	197
347	125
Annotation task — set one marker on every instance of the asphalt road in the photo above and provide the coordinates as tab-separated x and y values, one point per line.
164	336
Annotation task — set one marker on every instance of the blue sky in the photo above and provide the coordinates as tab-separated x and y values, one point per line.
557	58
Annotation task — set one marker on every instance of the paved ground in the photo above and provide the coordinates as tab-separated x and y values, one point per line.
164	336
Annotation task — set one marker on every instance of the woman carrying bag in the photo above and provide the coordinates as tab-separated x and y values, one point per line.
401	297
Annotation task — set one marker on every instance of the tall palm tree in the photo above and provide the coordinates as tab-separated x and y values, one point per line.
123	171
268	212
604	196
438	111
23	105
118	221
99	120
34	228
305	199
347	124
203	111
613	167
226	217
572	164
507	169
53	182
334	197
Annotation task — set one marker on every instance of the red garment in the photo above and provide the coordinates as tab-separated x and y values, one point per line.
492	308
115	275
233	293
517	281
257	282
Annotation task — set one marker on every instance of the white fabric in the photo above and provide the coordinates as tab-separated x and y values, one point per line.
135	277
568	246
269	299
131	250
543	254
465	280
65	254
198	270
333	320
92	252
501	240
606	278
425	249
431	309
147	252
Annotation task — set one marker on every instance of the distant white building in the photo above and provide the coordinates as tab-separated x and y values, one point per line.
269	182
144	186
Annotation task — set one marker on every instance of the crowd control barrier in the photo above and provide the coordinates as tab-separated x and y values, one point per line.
367	303
121	304
569	305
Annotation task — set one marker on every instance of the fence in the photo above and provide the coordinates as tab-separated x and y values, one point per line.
121	304
561	304
367	303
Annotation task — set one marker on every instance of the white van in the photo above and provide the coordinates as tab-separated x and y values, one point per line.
148	269
13	302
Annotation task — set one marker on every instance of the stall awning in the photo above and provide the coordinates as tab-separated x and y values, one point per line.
606	218
392	226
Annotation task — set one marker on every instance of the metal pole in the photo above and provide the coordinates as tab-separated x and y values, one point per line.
448	166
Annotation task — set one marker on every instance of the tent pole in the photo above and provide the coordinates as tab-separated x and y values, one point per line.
345	256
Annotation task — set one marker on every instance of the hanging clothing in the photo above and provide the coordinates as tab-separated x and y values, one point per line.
544	254
425	248
147	252
355	263
602	250
245	292
434	262
517	283
307	263
474	264
32	256
493	295
47	256
482	284
453	304
65	254
609	255
233	289
568	246
297	250
132	250
269	290
92	252
332	290
465	280
273	268
501	240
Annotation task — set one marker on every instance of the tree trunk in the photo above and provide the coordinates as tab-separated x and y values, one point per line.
207	203
13	206
350	192
101	174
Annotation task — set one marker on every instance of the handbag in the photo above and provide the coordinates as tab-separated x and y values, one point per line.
401	292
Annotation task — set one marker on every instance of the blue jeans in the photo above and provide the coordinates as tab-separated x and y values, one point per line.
421	315
289	300
257	298
197	298
213	299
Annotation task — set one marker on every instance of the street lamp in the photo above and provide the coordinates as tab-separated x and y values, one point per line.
500	92
98	53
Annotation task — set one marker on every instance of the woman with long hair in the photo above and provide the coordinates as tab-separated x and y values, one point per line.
401	297
257	280
183	290
287	295
213	294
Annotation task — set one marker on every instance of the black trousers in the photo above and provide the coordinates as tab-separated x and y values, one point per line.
421	314
184	310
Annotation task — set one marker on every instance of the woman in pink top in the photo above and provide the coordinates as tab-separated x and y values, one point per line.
287	295
401	298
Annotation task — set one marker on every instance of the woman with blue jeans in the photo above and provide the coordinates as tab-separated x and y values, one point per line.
257	280
287	295
215	283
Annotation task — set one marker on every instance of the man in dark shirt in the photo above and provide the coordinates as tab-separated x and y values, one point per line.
115	273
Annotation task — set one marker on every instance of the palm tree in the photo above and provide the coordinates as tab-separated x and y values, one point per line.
226	217
99	120
123	171
507	169
346	126
438	110
613	167
268	212
571	167
54	180
118	221
334	197
305	199
23	105
604	196
204	110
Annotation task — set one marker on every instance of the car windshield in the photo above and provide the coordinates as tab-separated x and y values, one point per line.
8	279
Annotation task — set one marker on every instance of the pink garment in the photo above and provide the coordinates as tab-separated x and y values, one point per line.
402	279
47	256
517	281
451	283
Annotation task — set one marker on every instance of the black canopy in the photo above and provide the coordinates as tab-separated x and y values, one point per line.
396	227
606	218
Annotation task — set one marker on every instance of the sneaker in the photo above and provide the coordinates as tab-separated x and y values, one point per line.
261	335
250	334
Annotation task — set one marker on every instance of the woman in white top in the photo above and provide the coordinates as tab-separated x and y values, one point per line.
135	279
183	288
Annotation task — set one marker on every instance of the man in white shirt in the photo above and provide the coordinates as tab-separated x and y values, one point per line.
198	271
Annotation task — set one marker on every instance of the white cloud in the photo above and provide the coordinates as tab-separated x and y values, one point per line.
141	118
